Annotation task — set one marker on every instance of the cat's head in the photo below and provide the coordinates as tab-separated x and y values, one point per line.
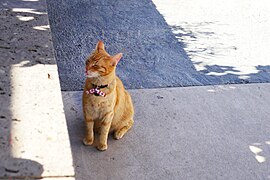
100	63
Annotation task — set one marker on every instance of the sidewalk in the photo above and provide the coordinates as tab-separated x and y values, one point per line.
34	141
207	132
211	132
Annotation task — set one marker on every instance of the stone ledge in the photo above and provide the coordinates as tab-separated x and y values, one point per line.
34	139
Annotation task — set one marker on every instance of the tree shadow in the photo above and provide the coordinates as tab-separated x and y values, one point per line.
230	75
23	44
205	48
191	33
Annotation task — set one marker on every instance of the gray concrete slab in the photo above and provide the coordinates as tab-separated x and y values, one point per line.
34	141
133	27
211	132
165	44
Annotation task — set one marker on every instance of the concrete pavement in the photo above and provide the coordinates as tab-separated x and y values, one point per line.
134	28
34	141
211	132
165	44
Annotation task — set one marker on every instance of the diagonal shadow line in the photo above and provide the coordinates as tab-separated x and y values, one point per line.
152	55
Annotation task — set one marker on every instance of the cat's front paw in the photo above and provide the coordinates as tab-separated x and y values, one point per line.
118	135
88	141
102	147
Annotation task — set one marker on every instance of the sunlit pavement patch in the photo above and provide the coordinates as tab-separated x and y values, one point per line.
34	141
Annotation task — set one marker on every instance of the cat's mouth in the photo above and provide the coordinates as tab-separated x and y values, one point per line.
90	74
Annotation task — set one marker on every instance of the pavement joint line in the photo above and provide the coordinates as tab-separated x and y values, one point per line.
35	177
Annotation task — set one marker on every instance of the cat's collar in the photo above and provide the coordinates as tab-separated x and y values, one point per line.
100	87
96	90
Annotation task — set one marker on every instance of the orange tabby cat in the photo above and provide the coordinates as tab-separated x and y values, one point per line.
107	106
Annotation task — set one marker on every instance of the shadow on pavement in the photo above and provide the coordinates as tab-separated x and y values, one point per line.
153	57
156	54
187	133
20	47
204	48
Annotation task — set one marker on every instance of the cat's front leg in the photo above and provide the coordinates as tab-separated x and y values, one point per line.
104	131
89	137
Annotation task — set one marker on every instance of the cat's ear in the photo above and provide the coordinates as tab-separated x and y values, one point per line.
116	58
100	45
